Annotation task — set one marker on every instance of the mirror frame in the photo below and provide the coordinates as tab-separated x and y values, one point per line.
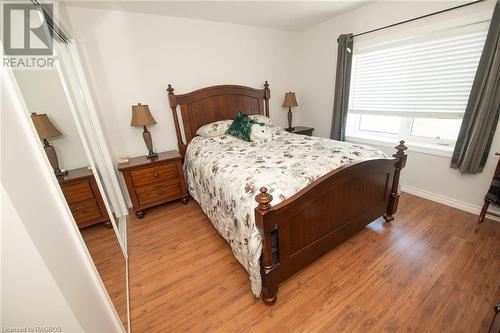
7	77
88	125
82	108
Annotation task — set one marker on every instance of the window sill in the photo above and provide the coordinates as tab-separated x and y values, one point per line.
423	148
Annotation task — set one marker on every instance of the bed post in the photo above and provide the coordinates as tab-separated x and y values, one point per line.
173	105
400	156
267	96
269	284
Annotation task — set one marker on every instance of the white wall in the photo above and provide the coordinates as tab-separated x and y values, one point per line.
425	175
43	93
28	301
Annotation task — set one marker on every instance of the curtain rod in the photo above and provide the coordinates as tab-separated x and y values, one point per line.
417	18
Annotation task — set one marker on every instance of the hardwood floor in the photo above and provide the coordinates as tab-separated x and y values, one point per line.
110	263
427	271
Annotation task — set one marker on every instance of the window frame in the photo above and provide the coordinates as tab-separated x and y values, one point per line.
405	128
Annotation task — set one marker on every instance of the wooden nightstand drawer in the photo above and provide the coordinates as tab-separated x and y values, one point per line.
154	175
158	193
88	211
83	197
78	192
151	182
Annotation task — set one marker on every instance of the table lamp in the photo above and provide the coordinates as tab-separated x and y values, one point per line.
290	101
46	130
142	117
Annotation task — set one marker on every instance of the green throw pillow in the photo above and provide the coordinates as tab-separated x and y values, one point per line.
241	127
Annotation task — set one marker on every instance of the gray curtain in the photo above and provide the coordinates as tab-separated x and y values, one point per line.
342	84
483	108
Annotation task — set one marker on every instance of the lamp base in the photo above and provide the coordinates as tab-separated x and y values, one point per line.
152	156
290	118
149	144
60	173
52	156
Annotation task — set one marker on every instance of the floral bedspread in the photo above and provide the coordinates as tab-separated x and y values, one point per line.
224	174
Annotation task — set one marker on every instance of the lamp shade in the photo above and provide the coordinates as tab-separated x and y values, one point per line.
141	116
44	126
290	100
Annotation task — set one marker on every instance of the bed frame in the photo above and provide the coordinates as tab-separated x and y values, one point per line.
316	219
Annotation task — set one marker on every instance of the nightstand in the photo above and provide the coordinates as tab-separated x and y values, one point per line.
154	182
301	130
84	198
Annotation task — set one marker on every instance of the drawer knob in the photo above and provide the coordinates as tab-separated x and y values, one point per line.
156	174
161	193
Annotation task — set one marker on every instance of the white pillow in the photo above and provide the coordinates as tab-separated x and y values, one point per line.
260	133
258	118
214	129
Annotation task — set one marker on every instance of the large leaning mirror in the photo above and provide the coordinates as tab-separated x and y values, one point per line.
51	106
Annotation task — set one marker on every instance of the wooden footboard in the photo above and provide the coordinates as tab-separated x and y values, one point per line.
324	214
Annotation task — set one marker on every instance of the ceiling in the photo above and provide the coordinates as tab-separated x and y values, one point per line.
285	15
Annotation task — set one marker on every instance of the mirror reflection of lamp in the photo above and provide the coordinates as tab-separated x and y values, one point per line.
46	130
142	117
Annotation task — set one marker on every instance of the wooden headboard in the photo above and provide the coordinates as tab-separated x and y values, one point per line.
206	105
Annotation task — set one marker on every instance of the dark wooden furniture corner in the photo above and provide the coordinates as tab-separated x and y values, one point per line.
493	195
301	130
84	198
154	182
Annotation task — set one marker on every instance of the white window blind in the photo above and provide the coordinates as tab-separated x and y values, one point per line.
426	77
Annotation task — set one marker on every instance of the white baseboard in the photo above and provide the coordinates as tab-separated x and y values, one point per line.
447	201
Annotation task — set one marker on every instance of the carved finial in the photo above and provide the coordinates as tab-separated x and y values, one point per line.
264	199
170	89
267	96
400	149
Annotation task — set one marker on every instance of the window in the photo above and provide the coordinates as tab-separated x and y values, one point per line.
415	89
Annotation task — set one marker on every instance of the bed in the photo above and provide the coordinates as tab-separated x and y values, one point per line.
283	203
